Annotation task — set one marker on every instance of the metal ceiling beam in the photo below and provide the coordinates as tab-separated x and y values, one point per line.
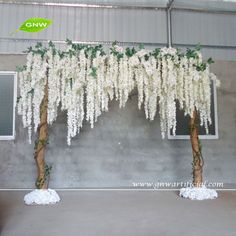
80	5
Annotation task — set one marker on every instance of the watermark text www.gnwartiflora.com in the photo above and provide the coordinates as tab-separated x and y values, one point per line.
175	185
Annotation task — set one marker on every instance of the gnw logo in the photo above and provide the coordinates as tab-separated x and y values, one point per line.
37	25
34	25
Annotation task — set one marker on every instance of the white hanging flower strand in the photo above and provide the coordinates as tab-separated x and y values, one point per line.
83	79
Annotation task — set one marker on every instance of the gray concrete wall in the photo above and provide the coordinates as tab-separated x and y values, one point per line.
123	147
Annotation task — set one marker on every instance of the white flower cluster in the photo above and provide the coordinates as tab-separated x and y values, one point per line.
32	83
82	82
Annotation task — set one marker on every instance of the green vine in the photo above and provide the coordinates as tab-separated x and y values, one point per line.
41	181
39	145
92	52
38	49
41	142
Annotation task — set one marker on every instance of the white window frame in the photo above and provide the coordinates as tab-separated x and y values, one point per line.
206	136
11	137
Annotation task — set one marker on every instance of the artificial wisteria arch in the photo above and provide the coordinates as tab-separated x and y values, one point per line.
83	79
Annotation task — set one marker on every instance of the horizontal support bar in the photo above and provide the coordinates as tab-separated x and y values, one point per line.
205	46
81	42
199	10
24	40
80	5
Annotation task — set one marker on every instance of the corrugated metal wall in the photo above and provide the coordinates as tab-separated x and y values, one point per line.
83	24
212	29
126	25
190	27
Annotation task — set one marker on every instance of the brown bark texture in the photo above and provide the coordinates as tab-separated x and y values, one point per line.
196	150
41	142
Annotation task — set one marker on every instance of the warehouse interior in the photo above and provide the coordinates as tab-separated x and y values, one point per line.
96	177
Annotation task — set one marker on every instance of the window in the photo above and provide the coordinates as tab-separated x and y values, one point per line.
8	91
182	128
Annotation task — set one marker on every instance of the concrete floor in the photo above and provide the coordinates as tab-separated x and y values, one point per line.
121	213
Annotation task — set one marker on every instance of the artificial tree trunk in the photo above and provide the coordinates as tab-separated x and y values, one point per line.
41	142
196	150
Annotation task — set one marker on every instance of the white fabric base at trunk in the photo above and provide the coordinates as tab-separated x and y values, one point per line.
198	193
41	197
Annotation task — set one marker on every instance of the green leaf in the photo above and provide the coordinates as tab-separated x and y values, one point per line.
191	53
31	91
69	42
141	46
18	99
71	83
198	47
146	57
33	25
201	67
114	43
39	45
156	52
93	72
20	68
210	60
51	44
130	52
